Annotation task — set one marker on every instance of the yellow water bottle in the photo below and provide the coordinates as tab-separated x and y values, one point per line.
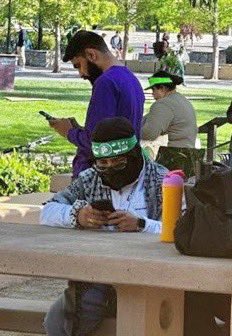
172	190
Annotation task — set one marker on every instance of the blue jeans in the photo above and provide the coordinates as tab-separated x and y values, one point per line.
68	318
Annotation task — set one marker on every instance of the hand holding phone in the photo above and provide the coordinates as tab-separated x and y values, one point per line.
46	115
72	120
103	205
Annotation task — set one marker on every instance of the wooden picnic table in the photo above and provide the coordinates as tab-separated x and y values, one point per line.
150	277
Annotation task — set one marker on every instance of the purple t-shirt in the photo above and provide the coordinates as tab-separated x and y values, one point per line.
117	92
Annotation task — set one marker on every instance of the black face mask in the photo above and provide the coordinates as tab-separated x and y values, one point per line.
117	179
94	72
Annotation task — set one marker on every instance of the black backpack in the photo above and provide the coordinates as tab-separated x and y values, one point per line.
205	229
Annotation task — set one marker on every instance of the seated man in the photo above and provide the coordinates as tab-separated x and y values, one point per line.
132	183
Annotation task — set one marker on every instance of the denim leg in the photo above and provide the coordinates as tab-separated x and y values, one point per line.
90	311
59	319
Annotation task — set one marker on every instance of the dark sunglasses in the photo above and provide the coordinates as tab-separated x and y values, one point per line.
117	167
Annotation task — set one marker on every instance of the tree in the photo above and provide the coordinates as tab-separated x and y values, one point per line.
40	25
212	6
9	27
129	12
59	13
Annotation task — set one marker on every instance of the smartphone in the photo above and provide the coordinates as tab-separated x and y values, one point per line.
103	205
46	115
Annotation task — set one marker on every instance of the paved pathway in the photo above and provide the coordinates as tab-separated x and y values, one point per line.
137	40
68	74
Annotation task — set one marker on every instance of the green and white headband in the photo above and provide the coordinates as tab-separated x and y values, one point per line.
114	147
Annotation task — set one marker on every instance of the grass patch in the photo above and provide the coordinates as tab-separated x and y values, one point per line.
21	123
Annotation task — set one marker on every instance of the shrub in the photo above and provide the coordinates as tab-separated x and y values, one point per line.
113	28
13	40
21	174
130	50
48	41
48	165
18	176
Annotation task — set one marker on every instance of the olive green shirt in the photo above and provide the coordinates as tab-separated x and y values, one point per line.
173	115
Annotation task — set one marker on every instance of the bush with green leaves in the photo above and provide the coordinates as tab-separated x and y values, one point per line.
13	40
130	49
113	28
20	174
48	42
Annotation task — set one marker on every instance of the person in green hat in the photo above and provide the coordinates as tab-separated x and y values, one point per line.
171	114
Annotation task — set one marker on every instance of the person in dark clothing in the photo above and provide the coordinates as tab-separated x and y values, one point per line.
116	92
116	44
21	46
160	47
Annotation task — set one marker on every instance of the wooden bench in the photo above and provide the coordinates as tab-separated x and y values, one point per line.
27	316
210	128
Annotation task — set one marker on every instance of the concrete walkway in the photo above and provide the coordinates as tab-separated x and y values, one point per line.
69	74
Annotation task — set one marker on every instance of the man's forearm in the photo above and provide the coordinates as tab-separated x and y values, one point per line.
56	215
79	136
152	226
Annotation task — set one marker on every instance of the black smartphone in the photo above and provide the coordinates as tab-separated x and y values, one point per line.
103	205
46	115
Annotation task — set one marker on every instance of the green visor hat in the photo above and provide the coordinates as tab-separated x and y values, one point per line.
158	80
113	148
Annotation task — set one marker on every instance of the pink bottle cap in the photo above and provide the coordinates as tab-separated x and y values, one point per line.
174	178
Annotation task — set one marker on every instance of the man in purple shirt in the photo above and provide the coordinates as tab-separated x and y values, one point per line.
116	92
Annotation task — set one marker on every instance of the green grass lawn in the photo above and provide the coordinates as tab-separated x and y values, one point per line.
20	121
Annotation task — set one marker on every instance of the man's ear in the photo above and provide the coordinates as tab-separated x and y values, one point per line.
91	54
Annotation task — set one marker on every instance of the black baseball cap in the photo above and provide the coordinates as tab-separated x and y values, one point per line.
80	41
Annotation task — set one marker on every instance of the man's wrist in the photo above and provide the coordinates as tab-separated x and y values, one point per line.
141	223
79	219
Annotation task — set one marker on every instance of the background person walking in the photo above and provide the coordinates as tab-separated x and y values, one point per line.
21	46
116	44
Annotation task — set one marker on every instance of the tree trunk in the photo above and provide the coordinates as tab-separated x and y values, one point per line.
57	48
157	33
40	26
9	28
215	63
125	40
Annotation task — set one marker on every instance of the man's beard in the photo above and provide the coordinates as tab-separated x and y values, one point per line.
93	72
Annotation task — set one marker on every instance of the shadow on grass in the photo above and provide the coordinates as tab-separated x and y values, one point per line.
14	139
52	93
